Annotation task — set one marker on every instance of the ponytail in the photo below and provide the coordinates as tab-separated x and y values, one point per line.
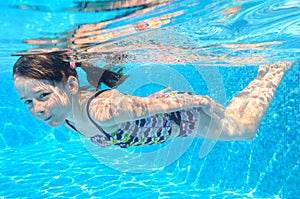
96	75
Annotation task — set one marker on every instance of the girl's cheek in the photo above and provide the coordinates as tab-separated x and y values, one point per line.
62	98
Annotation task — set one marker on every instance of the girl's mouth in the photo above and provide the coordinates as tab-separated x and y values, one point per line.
47	119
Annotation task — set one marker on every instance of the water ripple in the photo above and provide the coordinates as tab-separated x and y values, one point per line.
271	17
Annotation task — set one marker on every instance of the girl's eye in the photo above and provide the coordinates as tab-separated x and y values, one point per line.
43	95
27	102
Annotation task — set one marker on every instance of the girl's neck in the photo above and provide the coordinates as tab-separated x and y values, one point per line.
78	104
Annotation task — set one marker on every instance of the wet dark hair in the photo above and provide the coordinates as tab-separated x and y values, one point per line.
55	66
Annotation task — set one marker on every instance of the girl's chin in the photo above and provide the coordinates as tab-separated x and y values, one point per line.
54	123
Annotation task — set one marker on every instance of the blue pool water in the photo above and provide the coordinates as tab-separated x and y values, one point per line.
217	47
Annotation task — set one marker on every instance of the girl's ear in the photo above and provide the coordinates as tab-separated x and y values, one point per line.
73	85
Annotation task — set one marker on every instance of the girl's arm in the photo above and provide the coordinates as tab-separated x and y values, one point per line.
112	107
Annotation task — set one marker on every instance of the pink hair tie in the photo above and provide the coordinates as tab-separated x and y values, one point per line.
73	65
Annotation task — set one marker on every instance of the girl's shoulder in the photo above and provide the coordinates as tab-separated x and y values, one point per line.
105	95
101	105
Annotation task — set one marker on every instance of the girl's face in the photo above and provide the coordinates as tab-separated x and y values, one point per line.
46	101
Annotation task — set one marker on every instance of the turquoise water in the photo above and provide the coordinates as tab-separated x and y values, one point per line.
209	47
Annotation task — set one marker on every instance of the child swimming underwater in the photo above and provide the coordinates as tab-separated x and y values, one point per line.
48	85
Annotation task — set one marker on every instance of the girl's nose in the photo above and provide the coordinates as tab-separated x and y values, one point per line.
38	109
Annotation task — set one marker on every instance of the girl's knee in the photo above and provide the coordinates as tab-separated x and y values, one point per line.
238	129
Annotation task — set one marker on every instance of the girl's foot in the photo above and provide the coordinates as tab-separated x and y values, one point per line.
276	67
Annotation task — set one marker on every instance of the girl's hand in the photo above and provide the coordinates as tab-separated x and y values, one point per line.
159	93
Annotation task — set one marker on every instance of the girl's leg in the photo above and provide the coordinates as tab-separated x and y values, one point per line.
245	111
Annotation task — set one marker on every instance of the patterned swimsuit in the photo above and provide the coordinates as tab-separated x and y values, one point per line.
155	129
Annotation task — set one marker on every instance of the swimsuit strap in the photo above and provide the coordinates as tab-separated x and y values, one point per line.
71	125
89	116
